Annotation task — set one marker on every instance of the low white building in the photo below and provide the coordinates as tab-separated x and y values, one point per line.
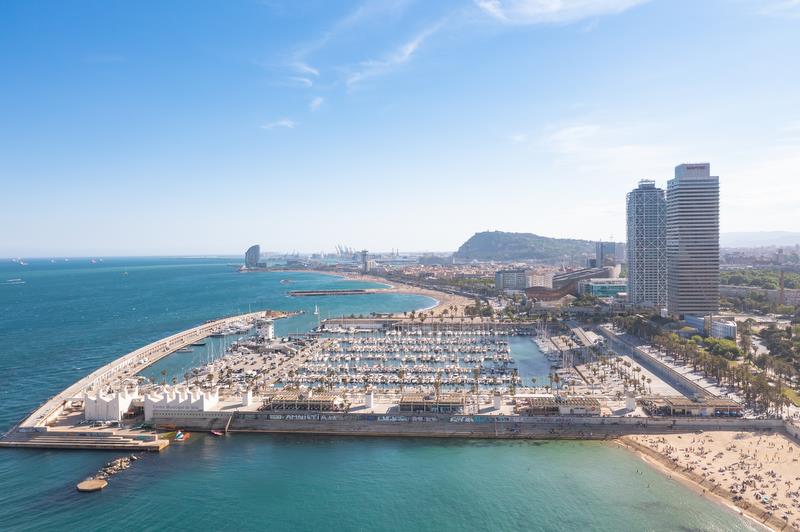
715	326
722	328
180	398
99	406
266	329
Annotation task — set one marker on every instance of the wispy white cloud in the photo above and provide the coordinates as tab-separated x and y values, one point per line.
282	123
299	81
518	138
608	151
364	13
401	55
552	11
780	8
774	166
316	103
370	10
763	190
305	68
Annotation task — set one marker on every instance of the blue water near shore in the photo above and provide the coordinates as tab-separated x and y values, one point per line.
71	317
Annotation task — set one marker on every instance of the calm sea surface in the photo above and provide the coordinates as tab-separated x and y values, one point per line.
68	318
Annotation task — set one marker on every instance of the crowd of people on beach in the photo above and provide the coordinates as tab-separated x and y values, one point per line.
759	470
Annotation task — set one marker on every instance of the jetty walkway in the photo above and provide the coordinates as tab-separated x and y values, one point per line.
36	430
344	292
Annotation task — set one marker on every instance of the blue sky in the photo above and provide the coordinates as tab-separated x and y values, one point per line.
203	127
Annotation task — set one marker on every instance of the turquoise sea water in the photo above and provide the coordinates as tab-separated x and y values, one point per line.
71	317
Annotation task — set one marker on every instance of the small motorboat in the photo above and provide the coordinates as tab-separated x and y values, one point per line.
217	433
182	436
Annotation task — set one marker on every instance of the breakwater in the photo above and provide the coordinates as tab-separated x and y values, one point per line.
343	292
452	426
38	429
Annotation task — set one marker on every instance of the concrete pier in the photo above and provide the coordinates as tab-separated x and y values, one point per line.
344	292
36	430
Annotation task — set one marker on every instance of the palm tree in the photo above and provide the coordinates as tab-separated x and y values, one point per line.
513	387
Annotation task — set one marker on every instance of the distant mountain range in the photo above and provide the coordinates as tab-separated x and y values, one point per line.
499	245
755	239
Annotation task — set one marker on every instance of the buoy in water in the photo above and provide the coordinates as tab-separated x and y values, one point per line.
93	484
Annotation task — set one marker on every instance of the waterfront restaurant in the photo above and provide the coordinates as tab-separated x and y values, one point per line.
443	404
716	406
305	400
556	406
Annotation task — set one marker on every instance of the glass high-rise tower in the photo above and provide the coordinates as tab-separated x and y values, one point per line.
693	241
251	257
647	245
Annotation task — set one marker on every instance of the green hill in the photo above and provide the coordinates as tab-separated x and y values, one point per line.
498	245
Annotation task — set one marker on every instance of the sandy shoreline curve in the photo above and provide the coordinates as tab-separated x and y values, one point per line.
443	300
682	470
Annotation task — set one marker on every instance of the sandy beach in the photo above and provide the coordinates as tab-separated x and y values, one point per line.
443	299
759	473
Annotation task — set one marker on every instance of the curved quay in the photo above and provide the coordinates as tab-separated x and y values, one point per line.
31	431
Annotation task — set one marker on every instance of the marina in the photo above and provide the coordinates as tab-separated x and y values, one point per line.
386	377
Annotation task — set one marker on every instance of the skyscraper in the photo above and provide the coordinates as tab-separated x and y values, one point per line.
605	254
251	257
693	241
647	245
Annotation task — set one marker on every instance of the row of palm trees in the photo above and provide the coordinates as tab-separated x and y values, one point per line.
759	391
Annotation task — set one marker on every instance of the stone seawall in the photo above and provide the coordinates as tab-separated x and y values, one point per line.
441	426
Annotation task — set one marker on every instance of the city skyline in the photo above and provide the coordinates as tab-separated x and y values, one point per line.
189	130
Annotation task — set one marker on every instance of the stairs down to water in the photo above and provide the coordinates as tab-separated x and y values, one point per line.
73	440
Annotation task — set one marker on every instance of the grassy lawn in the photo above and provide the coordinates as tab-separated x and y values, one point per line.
792	395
